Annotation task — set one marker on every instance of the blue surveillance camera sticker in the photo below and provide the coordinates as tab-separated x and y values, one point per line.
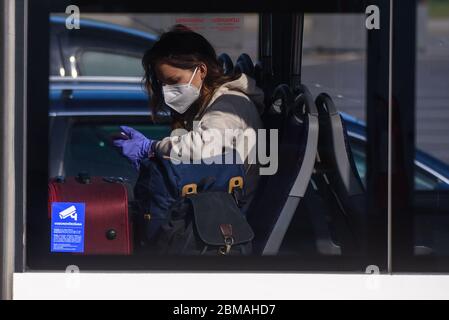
67	226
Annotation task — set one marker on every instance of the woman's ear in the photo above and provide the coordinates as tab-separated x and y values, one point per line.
203	70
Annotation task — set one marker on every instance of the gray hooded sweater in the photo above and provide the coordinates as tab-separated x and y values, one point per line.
235	105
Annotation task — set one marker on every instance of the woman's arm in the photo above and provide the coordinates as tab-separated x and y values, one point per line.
228	116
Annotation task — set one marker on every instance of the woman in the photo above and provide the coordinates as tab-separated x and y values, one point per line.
182	72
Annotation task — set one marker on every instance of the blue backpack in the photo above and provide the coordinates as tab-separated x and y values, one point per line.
167	194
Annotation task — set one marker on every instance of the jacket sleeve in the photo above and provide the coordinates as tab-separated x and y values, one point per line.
208	136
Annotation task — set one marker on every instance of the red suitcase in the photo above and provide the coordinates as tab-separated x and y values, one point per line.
108	228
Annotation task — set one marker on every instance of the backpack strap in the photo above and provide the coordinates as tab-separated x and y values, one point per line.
235	188
235	182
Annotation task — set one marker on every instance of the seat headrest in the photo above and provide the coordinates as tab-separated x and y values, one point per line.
226	63
245	65
325	105
281	100
305	97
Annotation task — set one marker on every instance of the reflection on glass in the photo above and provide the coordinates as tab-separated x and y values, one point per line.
431	199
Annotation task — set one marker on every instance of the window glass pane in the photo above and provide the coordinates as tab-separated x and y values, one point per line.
84	113
330	221
334	59
322	218
432	131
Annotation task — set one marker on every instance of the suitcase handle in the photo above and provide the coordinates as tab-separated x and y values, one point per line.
83	177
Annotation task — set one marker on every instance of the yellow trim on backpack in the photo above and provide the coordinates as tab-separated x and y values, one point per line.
191	188
235	182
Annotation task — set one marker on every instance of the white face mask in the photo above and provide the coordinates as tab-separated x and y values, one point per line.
180	97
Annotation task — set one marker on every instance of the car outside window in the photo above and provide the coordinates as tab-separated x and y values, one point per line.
90	149
109	64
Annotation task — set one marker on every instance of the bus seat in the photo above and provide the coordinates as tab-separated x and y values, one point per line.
278	196
309	233
258	74
338	178
275	114
245	65
225	62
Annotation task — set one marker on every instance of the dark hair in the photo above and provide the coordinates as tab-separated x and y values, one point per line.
182	48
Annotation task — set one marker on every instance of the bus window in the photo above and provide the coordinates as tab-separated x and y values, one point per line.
431	199
313	208
334	63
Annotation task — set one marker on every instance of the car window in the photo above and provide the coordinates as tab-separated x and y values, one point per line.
101	63
425	180
90	150
56	67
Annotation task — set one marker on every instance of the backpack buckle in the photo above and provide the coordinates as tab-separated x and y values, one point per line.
236	190
191	188
235	182
226	231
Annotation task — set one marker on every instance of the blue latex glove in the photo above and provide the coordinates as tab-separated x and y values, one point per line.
134	146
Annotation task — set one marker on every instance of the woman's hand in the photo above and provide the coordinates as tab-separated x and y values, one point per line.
134	145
